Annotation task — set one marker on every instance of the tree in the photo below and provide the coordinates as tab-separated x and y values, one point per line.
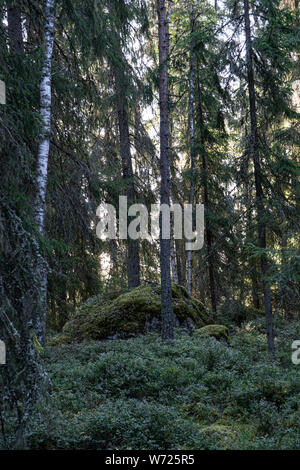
192	136
43	152
254	149
14	21
20	251
133	261
166	285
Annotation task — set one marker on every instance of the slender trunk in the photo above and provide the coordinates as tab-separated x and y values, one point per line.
166	286
181	261
172	241
211	271
209	234
133	264
258	182
113	250
173	255
133	257
43	155
192	139
288	313
255	286
249	224
14	21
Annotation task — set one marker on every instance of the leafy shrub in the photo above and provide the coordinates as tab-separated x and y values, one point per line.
193	393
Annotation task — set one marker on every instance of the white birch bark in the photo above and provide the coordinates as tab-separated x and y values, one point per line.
192	140
45	113
42	160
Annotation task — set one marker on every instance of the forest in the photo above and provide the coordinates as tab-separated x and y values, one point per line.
122	328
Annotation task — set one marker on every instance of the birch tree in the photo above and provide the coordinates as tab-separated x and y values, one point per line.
43	152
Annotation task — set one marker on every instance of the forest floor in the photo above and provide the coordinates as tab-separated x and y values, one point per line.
194	393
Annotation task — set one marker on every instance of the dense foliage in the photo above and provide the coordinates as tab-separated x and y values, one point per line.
195	393
232	108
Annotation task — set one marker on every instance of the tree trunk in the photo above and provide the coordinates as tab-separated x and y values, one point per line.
133	261
192	140
209	235
113	251
258	182
249	224
14	22
166	286
43	155
209	240
173	255
181	261
255	286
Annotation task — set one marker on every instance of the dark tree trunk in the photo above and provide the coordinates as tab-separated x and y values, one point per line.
192	139
209	240
14	21
113	250
250	226
133	264
181	261
133	258
166	286
258	182
255	286
173	254
209	234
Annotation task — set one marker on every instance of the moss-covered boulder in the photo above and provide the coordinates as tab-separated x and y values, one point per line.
219	332
131	313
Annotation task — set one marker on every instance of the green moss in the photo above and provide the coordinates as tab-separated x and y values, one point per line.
217	331
222	434
39	348
131	313
57	340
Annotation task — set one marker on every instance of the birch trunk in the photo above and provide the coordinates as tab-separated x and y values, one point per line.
166	285
43	154
262	241
192	139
